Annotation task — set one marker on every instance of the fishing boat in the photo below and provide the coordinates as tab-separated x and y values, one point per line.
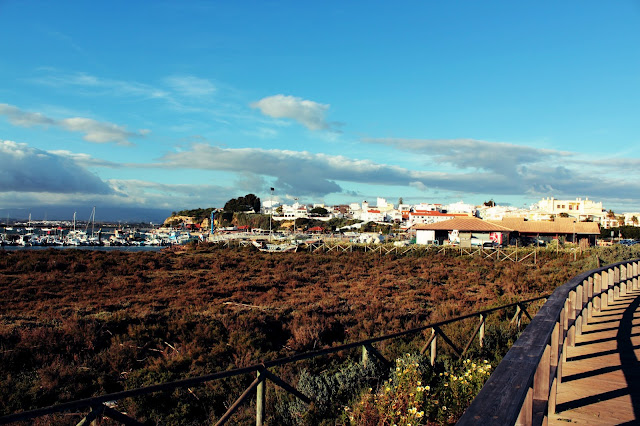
274	248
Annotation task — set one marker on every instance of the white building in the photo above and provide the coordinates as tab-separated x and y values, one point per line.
295	211
580	209
461	207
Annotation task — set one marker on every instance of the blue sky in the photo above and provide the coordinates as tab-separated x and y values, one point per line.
176	105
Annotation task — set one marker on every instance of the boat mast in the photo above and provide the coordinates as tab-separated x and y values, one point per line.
270	213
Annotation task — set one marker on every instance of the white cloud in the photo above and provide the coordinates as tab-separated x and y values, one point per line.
94	131
102	86
27	169
191	86
21	118
85	160
503	158
308	113
307	174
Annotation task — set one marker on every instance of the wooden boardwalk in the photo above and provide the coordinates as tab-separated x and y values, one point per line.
601	378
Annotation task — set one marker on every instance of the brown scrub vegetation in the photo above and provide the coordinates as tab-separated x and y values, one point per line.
74	324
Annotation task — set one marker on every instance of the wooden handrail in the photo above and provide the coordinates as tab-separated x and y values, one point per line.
522	389
261	369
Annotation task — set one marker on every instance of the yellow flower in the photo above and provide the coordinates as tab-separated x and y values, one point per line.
427	388
420	414
444	407
419	383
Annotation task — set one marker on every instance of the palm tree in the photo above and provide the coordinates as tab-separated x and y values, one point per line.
634	220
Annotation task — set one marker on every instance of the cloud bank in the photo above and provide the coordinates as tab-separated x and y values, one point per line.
28	169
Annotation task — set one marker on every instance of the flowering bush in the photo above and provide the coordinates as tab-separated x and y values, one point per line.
459	386
414	395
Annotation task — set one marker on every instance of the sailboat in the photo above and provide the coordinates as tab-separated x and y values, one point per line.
7	227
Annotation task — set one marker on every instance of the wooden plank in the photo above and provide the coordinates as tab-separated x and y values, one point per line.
598	386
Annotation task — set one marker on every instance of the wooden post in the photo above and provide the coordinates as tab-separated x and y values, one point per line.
565	329
579	306
481	332
525	418
434	343
553	363
612	284
587	292
623	280
571	337
541	379
604	299
597	288
365	356
261	394
560	340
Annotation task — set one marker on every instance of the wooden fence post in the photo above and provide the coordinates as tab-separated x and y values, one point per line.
261	397
365	356
579	306
612	283
597	289
571	337
433	347
525	418
481	333
541	378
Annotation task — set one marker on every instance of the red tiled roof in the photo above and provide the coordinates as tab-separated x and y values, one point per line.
436	213
464	224
558	226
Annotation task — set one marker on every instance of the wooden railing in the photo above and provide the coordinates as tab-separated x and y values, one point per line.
522	389
103	405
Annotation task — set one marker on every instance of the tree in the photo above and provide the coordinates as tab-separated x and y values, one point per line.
490	203
400	201
634	220
243	204
321	211
611	214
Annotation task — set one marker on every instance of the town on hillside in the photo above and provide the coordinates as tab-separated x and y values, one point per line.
487	225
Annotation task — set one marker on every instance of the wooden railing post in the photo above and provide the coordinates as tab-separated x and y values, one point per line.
365	356
565	328
579	307
590	292
597	289
261	397
623	280
526	412
541	379
610	286
481	332
571	334
617	289
553	365
434	343
635	276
